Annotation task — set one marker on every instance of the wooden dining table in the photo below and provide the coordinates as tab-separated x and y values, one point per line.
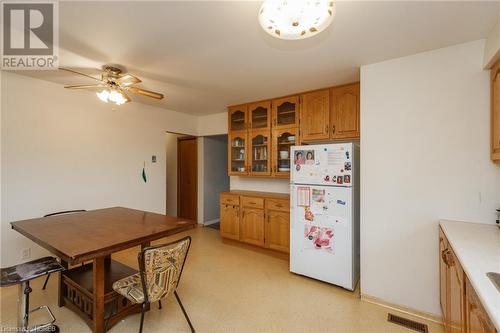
84	242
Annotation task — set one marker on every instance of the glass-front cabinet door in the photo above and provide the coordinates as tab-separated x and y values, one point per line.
238	147
283	139
238	118
259	115
260	158
286	112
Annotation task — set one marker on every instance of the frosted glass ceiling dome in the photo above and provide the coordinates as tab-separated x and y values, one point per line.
296	19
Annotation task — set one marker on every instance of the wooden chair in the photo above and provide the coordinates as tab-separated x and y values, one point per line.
60	213
160	270
21	275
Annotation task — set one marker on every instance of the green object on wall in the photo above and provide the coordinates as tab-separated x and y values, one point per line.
144	173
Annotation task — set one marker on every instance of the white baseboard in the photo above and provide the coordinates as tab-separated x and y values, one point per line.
211	222
412	312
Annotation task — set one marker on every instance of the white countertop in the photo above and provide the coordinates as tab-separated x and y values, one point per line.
477	247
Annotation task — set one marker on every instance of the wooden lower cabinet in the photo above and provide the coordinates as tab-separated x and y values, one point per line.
462	310
476	318
257	218
230	221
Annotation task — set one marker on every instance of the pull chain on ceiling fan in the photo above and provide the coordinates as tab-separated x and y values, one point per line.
114	86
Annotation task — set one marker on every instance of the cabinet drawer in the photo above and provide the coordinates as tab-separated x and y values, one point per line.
230	199
276	204
252	202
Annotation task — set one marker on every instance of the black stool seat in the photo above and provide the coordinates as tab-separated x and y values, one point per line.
29	271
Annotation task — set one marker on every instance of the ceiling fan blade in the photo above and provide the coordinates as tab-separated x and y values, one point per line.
128	80
85	86
75	72
144	92
126	97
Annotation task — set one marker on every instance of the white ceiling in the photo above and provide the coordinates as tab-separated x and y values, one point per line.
206	55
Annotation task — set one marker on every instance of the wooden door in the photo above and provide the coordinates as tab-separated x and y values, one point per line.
259	115
344	119
229	221
477	319
457	293
260	152
277	235
238	118
285	112
283	140
252	226
495	112
187	178
315	115
444	278
237	153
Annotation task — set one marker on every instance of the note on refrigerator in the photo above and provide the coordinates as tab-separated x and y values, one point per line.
303	196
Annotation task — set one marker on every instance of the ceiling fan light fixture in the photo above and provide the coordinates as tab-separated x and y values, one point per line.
114	96
117	97
103	95
296	19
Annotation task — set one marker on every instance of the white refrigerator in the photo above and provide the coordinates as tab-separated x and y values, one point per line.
324	215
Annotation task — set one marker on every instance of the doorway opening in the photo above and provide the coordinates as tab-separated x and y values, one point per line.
182	175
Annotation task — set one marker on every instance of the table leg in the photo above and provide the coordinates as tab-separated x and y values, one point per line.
143	245
98	294
60	299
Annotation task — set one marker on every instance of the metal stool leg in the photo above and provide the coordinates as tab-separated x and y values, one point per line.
23	305
45	283
184	312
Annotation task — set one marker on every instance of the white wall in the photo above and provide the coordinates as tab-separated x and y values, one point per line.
64	149
260	184
212	124
424	156
215	179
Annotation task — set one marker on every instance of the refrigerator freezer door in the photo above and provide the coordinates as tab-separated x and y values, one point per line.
329	164
321	233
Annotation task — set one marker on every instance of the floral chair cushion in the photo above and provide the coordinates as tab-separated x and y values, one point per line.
162	269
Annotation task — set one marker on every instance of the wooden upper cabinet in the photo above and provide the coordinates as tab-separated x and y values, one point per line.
285	112
315	115
344	118
237	153
260	150
495	112
283	140
238	118
259	115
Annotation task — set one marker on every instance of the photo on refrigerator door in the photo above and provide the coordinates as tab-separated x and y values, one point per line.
318	238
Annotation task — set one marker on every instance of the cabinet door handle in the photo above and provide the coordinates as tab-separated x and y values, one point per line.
326	128
333	129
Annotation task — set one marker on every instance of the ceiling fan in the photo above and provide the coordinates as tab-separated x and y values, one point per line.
114	85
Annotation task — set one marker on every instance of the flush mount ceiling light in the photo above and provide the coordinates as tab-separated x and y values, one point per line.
296	19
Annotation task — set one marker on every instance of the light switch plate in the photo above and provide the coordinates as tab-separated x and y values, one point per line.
153	158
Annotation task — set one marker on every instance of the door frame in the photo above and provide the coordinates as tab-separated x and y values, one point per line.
185	138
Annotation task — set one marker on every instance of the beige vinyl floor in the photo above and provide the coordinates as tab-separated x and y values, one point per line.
226	287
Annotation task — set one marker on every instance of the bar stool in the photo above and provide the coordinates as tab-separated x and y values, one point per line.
21	275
